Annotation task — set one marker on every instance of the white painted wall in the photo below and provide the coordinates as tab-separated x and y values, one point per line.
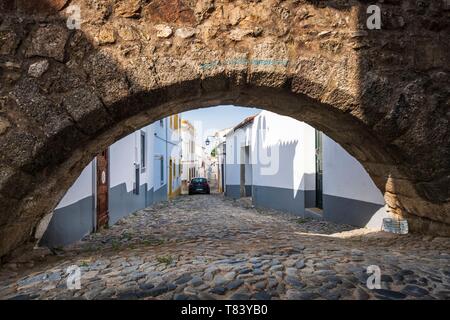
280	154
188	138
291	143
283	156
159	145
150	156
344	176
174	150
308	159
235	141
125	153
82	188
122	156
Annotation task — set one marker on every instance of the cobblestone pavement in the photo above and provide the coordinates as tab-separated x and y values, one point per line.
209	247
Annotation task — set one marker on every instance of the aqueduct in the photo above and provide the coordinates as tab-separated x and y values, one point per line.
68	93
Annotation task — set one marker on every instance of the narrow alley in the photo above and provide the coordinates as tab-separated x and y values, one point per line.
212	247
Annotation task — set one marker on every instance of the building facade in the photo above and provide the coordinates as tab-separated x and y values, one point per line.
287	165
174	149
136	171
188	136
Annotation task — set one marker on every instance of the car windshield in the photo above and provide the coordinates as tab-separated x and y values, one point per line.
198	180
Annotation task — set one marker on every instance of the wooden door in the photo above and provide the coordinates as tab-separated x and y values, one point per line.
102	190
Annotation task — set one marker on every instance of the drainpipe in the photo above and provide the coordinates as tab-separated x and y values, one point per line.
166	172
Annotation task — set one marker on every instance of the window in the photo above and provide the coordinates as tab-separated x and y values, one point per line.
143	151
161	168
174	170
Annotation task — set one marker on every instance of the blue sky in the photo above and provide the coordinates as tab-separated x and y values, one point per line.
207	121
218	118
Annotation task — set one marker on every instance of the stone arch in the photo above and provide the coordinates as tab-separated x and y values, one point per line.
66	94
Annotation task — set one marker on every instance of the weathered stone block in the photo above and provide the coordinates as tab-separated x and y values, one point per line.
40	7
37	69
163	31
106	35
107	77
48	41
8	42
4	124
128	8
7	5
164	11
86	109
185	33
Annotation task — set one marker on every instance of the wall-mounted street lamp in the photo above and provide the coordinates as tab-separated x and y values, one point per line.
207	141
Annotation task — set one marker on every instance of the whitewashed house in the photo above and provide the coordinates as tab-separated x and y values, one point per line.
287	165
174	149
238	172
134	172
200	161
219	159
188	137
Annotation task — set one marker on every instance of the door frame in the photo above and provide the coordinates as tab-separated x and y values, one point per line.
99	223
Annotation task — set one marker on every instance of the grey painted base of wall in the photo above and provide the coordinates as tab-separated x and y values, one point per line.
233	191
123	202
149	200
69	224
160	194
336	209
310	198
353	212
248	191
279	199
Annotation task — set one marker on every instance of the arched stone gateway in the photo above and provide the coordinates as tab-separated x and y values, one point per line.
66	93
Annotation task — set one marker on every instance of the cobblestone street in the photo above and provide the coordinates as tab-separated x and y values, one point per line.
209	247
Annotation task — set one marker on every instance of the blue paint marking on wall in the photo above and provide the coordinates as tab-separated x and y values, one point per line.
243	61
